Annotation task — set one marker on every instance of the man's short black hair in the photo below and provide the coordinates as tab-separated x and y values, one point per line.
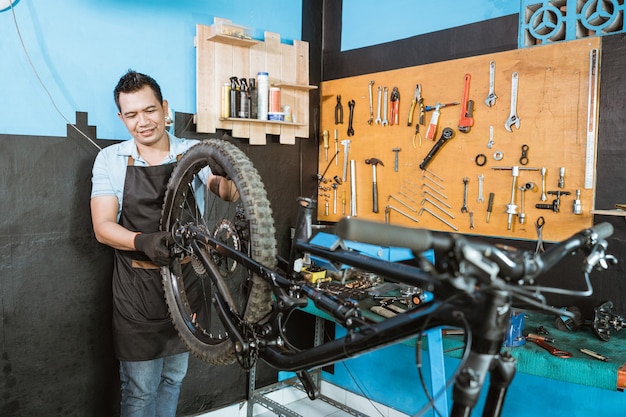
134	81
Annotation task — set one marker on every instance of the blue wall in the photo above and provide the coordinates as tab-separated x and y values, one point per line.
371	22
80	48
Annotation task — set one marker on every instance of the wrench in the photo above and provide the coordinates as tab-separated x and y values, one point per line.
351	104
385	122
467	109
464	209
371	120
480	198
380	93
491	141
513	119
491	97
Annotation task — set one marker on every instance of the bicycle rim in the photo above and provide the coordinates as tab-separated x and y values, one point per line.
246	224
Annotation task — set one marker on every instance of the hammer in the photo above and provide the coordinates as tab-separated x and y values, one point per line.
373	162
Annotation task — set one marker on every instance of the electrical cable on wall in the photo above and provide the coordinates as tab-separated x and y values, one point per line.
32	66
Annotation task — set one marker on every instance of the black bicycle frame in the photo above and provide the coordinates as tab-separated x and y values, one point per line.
487	315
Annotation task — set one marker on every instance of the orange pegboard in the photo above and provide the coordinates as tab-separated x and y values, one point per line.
552	109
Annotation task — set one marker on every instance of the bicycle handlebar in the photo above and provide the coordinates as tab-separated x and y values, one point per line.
420	240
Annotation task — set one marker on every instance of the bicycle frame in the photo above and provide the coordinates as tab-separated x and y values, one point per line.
486	317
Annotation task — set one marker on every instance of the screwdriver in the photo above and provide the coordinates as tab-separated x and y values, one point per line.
326	143
490	206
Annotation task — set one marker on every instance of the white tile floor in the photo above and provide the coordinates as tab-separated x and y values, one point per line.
297	401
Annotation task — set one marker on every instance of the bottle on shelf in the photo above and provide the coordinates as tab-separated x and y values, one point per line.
263	95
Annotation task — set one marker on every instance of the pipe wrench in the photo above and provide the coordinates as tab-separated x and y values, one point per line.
466	121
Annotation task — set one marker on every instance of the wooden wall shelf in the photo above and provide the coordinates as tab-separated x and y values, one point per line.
231	40
220	57
620	213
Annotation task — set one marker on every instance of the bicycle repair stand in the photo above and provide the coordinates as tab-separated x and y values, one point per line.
259	396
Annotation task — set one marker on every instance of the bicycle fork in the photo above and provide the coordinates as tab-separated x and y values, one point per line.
489	327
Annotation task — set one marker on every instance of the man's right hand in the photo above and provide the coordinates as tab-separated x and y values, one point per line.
156	245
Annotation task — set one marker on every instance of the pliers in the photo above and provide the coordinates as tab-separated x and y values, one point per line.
395	105
417	100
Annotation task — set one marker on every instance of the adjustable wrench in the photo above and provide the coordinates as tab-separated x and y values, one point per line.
491	97
371	119
385	122
380	96
466	121
513	120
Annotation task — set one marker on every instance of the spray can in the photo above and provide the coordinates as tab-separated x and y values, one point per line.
263	95
254	99
244	109
234	96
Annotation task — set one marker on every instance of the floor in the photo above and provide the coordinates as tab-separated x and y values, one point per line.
300	405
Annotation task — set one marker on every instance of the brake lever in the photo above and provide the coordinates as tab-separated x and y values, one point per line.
598	258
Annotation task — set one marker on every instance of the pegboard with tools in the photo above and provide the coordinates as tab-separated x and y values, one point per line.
496	145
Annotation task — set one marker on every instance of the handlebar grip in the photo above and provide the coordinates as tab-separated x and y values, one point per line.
418	240
603	230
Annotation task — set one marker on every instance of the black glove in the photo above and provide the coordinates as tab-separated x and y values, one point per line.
156	245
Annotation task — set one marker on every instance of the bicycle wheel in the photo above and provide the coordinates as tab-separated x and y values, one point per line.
246	225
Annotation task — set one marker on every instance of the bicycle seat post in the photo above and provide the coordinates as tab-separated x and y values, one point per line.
304	227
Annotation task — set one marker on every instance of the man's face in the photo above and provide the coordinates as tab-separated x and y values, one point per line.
143	115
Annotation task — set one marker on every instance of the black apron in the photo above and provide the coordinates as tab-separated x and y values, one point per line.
142	327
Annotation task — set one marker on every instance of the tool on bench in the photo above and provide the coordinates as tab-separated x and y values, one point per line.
369	87
594	354
338	111
351	104
466	121
554	351
418	100
336	147
374	162
491	97
446	135
395	106
513	119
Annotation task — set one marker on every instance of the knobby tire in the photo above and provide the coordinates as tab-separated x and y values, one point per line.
246	224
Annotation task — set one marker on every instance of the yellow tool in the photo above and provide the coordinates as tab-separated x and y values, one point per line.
326	144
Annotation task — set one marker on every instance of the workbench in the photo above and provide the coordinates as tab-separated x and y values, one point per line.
389	375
